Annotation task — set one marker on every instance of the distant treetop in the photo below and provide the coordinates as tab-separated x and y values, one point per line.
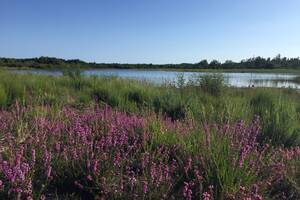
250	63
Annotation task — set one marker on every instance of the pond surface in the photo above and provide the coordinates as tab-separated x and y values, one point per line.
159	76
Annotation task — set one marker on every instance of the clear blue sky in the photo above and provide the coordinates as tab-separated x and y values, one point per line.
149	31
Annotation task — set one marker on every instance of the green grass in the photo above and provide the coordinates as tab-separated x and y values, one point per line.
207	99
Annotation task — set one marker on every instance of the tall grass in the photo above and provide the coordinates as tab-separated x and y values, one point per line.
191	140
213	84
279	118
205	99
3	96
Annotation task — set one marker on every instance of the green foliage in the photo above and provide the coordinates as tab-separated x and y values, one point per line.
171	104
139	97
213	84
221	174
3	97
202	100
205	99
279	118
14	89
77	81
107	96
250	63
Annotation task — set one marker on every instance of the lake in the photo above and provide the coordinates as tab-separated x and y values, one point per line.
160	76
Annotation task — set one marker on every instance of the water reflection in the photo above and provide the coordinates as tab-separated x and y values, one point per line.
160	77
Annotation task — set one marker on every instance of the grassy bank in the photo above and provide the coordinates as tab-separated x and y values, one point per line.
205	99
115	138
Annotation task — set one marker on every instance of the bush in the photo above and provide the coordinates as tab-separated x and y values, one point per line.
213	84
101	94
72	73
106	96
138	96
172	105
76	78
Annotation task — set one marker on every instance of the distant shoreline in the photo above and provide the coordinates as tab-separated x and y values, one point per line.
230	70
258	64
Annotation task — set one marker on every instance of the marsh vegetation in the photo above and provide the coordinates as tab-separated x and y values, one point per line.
114	138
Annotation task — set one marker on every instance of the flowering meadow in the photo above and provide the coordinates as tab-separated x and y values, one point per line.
76	137
98	152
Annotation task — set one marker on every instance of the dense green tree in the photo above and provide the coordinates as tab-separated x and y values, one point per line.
214	64
203	63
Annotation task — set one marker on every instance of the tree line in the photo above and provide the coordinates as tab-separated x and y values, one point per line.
250	63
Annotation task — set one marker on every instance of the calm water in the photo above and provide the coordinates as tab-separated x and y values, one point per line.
157	76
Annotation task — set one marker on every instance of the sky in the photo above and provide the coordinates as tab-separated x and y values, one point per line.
149	31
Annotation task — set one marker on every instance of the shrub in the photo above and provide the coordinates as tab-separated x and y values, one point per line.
106	96
101	94
77	81
170	104
139	96
213	84
72	73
